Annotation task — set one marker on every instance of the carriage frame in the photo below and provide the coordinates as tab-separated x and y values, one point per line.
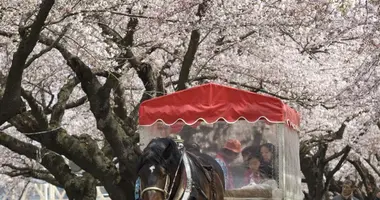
210	104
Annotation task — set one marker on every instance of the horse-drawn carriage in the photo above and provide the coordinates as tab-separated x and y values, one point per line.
253	138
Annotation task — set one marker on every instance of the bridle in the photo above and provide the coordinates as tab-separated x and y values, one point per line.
165	190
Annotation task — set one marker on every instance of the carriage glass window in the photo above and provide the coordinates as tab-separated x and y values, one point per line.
247	152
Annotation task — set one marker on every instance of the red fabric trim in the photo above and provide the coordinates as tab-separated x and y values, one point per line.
212	102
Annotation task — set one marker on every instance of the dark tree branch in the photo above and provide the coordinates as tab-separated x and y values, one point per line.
42	52
106	122
148	77
374	168
6	33
34	173
330	175
76	103
41	171
199	78
10	103
336	155
202	9
188	60
144	70
131	28
111	83
25	122
93	89
192	48
51	99
50	160
116	37
60	106
120	108
160	89
368	180
123	43
339	134
108	10
36	110
70	105
258	89
18	146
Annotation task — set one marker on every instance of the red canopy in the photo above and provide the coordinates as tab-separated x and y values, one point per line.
211	103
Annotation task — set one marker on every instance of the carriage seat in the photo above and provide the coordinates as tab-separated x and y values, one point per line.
253	194
248	193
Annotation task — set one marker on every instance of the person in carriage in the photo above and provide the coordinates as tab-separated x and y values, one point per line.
227	155
254	176
250	155
267	151
247	152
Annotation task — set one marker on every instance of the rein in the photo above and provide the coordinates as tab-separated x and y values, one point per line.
167	183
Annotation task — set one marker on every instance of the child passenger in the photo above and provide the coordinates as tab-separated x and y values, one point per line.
255	175
256	178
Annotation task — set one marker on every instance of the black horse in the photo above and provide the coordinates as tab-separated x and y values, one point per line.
162	171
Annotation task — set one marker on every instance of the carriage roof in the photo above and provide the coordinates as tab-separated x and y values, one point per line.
211	103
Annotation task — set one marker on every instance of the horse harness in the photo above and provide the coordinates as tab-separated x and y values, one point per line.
190	162
207	170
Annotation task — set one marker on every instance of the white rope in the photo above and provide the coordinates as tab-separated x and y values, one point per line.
38	156
175	175
43	132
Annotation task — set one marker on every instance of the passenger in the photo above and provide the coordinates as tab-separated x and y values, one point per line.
254	175
247	154
257	179
347	191
227	155
267	151
377	197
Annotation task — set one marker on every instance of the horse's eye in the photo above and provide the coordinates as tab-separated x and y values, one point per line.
162	171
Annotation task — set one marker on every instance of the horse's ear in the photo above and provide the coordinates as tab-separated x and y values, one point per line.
139	164
168	150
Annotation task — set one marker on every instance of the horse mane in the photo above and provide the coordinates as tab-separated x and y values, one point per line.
160	151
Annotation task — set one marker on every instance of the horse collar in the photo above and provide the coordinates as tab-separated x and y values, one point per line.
189	183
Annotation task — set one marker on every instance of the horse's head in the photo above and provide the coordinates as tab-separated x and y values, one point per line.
157	167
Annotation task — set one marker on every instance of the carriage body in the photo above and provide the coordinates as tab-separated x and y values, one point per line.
207	116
